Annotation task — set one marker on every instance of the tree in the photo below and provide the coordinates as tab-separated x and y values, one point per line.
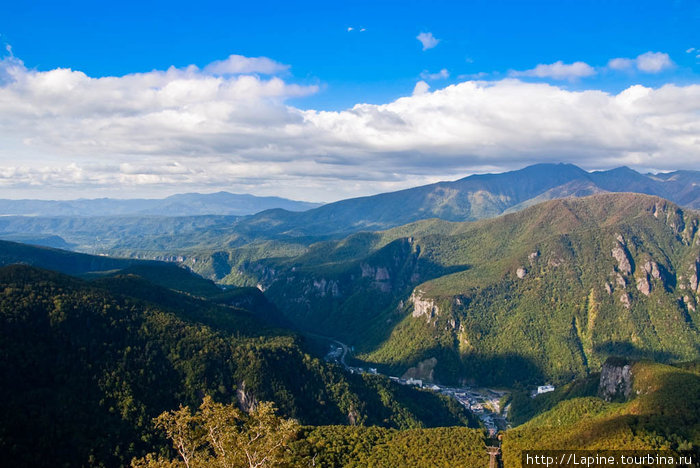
222	435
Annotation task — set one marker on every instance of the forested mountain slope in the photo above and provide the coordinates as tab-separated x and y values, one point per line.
543	294
86	366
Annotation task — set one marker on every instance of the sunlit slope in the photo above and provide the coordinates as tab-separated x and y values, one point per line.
542	294
660	413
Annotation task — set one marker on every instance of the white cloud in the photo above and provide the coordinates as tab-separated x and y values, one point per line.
427	40
350	28
473	76
654	62
649	62
441	75
690	50
421	88
621	64
238	64
558	71
185	129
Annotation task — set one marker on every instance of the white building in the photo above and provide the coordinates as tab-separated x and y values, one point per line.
418	382
544	389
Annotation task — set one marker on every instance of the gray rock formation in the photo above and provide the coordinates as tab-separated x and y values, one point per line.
245	398
623	262
423	307
615	380
643	285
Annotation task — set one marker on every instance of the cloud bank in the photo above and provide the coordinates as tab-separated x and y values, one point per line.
558	70
649	62
226	126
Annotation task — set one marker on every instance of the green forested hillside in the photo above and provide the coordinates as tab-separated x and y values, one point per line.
543	294
86	366
661	413
343	446
655	408
167	275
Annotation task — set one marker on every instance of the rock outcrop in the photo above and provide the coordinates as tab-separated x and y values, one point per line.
695	276
245	398
650	272
643	285
424	370
533	256
325	287
623	261
615	380
423	307
652	268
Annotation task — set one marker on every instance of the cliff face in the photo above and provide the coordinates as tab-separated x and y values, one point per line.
423	307
615	380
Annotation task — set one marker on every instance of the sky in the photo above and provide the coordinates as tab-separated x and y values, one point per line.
328	100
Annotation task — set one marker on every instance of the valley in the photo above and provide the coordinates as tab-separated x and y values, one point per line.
359	234
416	330
485	403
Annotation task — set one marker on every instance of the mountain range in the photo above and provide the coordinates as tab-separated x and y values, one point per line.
185	204
561	281
544	294
473	198
159	229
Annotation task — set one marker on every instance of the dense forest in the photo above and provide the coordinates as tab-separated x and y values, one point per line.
545	294
109	366
85	368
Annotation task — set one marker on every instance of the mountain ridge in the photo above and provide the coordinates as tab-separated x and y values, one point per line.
468	199
472	294
183	204
475	197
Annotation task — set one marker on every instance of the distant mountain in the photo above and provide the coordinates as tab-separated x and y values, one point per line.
471	198
44	240
186	204
165	235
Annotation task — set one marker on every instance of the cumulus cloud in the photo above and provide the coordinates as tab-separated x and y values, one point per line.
188	128
238	65
421	88
427	40
649	62
441	75
558	71
621	64
654	62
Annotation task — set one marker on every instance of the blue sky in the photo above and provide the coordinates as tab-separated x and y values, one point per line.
376	65
269	97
